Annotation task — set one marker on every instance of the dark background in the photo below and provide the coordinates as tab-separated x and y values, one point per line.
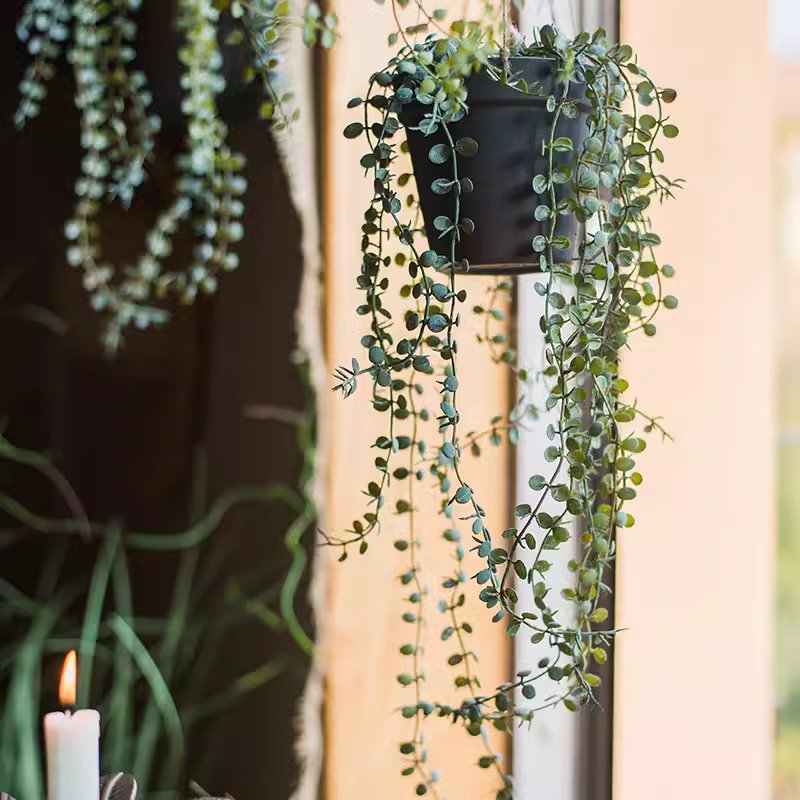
137	436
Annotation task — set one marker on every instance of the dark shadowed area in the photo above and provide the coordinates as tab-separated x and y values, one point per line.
151	439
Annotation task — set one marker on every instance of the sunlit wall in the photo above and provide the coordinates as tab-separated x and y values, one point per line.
694	671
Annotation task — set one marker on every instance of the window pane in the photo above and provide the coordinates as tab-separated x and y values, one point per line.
787	687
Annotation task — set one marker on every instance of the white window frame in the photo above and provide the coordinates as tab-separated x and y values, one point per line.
546	756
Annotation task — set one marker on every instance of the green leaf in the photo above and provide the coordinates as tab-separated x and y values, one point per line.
670	301
428	258
376	355
467	146
551	453
544	520
499	555
421	363
587	178
649	239
439	153
591	204
647	121
562	174
529	691
562	144
593	145
353	130
442	186
539	244
622	53
437	323
537	482
670	131
152	675
463	494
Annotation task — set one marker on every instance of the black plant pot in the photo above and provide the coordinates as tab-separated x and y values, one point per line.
510	128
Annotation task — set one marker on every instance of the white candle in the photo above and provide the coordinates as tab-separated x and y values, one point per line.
72	742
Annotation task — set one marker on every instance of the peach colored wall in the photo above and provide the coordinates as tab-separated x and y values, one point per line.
364	629
693	681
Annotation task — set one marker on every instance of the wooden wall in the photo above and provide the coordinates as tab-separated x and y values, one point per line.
364	629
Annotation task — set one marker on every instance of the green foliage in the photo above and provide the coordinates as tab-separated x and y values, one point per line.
149	675
592	305
118	132
265	25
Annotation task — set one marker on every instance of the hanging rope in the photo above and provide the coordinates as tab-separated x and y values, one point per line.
506	38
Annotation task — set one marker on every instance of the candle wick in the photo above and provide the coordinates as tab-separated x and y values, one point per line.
68	712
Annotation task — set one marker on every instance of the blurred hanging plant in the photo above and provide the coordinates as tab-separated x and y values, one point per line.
600	283
119	129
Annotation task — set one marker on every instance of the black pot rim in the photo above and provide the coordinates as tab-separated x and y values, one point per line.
512	266
496	93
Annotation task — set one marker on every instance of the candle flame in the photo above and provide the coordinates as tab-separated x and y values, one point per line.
67	686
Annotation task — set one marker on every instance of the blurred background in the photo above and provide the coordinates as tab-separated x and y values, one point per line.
194	432
785	37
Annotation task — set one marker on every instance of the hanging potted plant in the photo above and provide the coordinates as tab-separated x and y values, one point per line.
508	114
538	157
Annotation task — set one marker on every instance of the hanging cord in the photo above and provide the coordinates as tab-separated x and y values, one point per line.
506	37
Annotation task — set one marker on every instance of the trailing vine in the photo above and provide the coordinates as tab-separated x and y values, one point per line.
597	289
119	129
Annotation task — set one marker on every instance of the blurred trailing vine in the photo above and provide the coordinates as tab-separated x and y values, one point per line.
119	130
592	303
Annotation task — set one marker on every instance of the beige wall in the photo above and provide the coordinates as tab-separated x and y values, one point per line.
693	682
364	629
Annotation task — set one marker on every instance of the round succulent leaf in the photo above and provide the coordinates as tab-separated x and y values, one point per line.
439	154
353	130
467	146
